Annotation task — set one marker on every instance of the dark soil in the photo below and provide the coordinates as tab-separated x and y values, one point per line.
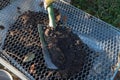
66	49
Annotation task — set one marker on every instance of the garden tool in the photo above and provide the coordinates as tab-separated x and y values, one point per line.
49	7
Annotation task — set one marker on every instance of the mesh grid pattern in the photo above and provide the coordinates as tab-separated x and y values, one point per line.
23	39
102	39
4	3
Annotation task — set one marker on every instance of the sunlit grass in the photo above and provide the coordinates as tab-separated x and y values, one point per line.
107	10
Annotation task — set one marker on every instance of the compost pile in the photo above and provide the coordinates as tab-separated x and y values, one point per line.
66	49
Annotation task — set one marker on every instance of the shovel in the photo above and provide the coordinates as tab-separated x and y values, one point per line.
52	23
45	50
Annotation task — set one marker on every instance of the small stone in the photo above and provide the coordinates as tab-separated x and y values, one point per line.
47	32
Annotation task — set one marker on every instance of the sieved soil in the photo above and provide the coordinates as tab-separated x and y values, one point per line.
66	49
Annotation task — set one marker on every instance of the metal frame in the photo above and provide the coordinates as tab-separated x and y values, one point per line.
13	69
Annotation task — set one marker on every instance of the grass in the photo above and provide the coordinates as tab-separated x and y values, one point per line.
107	10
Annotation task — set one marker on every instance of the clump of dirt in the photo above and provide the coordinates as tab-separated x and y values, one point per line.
33	18
66	50
65	47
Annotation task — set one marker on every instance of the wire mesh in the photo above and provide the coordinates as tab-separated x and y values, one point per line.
102	39
4	3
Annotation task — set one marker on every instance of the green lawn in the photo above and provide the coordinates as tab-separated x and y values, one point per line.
107	10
